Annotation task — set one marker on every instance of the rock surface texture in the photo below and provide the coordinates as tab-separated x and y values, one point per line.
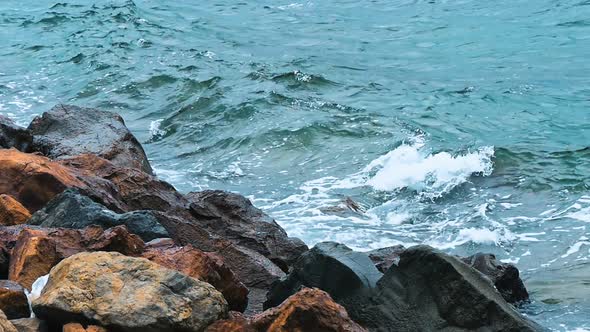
13	136
67	130
12	212
127	294
13	301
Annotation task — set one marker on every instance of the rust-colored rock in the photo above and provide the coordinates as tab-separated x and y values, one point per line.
235	323
310	309
12	212
13	300
77	327
37	250
203	266
33	180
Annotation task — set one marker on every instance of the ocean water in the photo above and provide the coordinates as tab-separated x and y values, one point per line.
460	124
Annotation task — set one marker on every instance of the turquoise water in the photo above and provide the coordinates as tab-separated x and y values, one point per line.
461	124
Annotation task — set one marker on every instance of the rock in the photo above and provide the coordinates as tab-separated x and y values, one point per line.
33	180
384	258
233	217
12	212
29	325
4	262
77	327
13	136
505	277
330	266
13	300
36	251
67	130
127	294
235	323
5	324
202	266
70	209
433	291
307	310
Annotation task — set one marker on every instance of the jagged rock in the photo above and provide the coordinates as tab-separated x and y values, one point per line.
13	300
33	180
29	325
127	294
202	266
330	266
233	217
37	250
77	327
67	130
236	322
433	291
505	277
12	212
384	258
70	209
5	324
13	136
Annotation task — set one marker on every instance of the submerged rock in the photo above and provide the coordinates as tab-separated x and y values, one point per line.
67	130
13	136
127	294
505	277
233	217
202	266
70	209
13	300
12	212
330	266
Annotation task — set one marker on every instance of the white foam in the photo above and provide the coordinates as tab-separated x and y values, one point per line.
156	130
36	290
408	166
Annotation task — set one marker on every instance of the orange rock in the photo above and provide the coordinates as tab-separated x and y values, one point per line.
77	327
235	323
203	266
37	250
33	180
310	309
12	212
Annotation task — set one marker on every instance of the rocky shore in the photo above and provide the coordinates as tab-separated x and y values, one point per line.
92	240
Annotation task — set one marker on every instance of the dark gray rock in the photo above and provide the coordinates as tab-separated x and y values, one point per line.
505	277
70	209
13	136
384	258
29	325
330	266
233	217
66	131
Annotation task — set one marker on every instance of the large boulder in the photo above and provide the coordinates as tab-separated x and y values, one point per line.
36	250
127	294
13	300
13	136
12	212
203	266
505	277
308	310
67	130
70	209
330	266
233	217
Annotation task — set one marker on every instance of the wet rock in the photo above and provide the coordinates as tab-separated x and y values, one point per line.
433	291
33	180
5	324
29	325
68	130
70	209
505	277
37	250
307	310
12	212
202	266
384	258
13	301
77	327
233	217
13	136
330	266
127	294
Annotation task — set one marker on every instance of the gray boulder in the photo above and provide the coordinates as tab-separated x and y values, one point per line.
13	136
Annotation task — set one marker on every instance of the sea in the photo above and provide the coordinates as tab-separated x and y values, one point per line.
460	124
